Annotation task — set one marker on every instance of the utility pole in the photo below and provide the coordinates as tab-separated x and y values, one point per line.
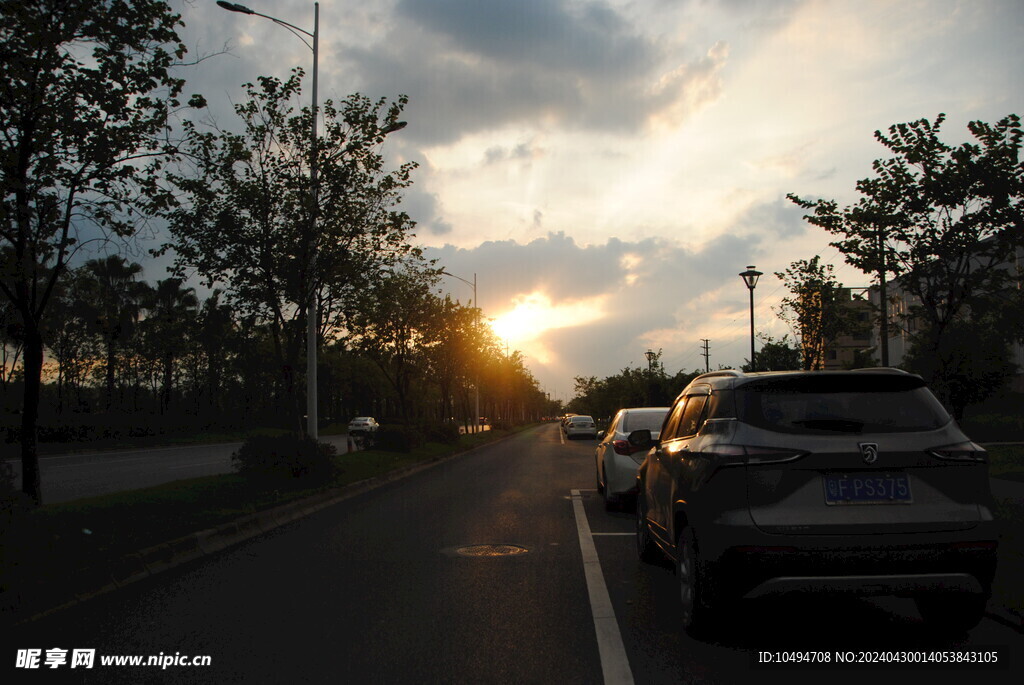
706	354
883	295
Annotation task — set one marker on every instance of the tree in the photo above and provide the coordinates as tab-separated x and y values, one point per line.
774	355
392	327
814	309
168	328
240	213
944	221
85	92
110	298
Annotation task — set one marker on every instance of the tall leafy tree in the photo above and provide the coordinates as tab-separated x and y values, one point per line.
86	87
945	221
814	308
241	214
393	326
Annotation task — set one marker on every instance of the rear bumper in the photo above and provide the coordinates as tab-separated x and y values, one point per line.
905	584
869	569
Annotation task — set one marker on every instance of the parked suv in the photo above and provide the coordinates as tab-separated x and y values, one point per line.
846	481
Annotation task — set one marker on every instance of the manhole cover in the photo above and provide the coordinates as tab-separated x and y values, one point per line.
491	550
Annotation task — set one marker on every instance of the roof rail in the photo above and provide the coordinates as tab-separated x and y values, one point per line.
722	372
884	369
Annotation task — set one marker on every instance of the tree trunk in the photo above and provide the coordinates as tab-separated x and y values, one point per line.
31	483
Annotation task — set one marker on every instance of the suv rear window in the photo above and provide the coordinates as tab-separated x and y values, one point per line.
856	403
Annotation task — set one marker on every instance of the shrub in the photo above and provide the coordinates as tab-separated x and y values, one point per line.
398	438
286	456
13	502
445	433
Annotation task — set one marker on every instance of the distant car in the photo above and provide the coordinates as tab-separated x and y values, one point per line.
580	425
617	461
363	425
831	482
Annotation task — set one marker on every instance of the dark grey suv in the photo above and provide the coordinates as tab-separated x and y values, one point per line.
848	481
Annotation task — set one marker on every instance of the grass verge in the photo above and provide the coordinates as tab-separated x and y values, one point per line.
1006	461
47	545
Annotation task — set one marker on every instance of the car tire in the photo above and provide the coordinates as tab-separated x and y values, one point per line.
696	614
597	477
646	550
952	614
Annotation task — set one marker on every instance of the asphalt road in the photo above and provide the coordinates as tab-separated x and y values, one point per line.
375	590
68	477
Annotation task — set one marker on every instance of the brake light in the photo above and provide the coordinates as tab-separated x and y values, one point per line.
622	447
964	451
752	454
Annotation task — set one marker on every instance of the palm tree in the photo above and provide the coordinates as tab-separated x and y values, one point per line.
110	299
171	316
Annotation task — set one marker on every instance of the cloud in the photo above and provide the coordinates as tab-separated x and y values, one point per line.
642	293
473	66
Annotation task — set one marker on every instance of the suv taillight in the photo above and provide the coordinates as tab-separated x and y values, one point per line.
737	455
964	451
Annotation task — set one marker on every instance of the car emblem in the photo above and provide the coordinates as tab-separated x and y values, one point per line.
869	450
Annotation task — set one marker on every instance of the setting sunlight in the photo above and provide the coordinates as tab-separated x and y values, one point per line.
532	315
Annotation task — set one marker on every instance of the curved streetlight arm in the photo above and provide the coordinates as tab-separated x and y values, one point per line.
446	273
235	7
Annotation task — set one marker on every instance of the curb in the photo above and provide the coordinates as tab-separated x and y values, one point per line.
28	605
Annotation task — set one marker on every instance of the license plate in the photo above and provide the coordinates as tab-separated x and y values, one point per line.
867	488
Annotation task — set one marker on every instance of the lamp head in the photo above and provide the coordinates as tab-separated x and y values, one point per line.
234	7
750	276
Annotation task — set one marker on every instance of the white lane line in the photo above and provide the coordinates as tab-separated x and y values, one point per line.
614	663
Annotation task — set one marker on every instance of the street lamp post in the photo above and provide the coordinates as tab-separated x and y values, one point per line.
476	383
311	304
750	277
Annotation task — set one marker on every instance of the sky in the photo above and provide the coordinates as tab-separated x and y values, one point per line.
606	169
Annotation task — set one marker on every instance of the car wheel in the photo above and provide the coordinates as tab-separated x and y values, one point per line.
646	550
952	614
696	614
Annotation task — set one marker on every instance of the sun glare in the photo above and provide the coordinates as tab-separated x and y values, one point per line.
532	315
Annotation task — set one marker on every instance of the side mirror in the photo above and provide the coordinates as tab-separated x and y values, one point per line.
601	435
641	439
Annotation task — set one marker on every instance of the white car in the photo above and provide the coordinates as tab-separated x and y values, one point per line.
580	425
617	460
363	425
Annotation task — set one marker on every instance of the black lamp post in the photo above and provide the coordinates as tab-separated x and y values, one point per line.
750	277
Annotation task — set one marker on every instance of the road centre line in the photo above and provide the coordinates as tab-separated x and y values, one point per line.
614	663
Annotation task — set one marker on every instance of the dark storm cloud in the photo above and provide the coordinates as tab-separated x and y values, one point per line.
557	36
471	66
